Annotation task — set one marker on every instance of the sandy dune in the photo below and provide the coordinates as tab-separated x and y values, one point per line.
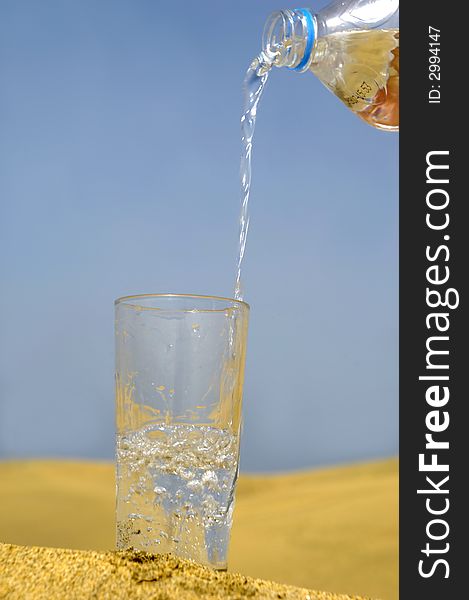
46	573
332	529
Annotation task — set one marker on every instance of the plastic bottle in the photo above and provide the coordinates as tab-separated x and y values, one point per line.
351	45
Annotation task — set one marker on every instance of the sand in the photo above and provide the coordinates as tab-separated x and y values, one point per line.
47	573
332	529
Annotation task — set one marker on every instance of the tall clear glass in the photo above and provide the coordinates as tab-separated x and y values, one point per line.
179	383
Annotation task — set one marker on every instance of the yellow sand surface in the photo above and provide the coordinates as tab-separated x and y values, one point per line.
53	574
333	529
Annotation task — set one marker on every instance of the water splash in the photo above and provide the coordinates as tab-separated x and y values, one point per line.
175	490
254	84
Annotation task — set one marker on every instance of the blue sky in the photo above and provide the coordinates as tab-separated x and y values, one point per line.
119	162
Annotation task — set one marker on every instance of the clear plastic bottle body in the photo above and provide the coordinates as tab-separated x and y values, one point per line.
352	46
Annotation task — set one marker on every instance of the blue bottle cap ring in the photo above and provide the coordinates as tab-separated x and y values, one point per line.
309	40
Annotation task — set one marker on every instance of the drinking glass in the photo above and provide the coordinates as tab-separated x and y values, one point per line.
179	383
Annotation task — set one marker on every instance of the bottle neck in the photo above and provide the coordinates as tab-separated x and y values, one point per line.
289	38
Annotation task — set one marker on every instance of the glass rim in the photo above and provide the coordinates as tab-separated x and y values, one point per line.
125	300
